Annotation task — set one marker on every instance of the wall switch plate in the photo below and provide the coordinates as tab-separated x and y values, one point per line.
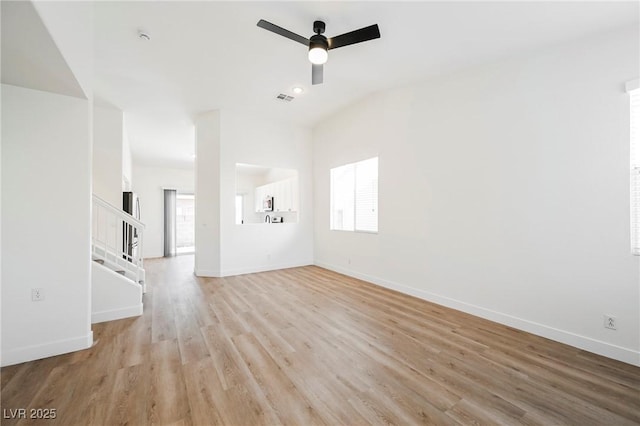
37	294
610	322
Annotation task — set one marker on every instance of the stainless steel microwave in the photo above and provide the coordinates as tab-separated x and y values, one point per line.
267	204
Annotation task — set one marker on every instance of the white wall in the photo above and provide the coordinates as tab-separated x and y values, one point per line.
127	162
504	192
257	247
46	190
113	296
149	183
207	194
64	22
108	154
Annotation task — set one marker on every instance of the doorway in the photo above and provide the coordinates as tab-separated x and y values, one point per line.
185	223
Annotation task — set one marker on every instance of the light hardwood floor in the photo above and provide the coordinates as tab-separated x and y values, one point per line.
308	346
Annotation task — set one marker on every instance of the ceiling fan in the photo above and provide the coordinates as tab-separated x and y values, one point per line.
319	45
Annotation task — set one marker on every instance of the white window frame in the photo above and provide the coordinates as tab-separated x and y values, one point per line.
239	215
352	168
633	89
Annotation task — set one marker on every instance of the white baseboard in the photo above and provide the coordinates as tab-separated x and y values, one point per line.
207	273
249	269
45	350
263	268
115	314
608	350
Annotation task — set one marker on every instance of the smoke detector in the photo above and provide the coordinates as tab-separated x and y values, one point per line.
143	35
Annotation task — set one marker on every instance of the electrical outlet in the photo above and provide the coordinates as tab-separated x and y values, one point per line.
37	294
610	322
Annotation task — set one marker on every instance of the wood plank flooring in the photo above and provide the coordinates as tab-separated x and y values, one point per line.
307	346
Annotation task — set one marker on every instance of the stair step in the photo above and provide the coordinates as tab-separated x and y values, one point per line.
118	271
127	273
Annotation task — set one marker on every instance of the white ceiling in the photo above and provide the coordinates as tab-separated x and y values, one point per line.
211	55
30	57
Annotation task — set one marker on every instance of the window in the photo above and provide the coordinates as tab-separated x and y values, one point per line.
239	209
354	197
185	223
634	106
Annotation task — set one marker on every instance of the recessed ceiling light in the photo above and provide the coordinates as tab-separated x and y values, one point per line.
298	90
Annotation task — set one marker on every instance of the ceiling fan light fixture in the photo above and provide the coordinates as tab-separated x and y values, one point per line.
318	55
318	47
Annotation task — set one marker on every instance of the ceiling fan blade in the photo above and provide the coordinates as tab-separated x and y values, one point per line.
281	31
353	37
316	74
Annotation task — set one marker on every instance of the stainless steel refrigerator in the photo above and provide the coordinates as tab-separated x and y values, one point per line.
131	205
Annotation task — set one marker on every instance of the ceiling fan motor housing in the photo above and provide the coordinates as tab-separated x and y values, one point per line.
318	41
318	27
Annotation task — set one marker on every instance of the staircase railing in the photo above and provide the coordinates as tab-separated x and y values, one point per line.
117	239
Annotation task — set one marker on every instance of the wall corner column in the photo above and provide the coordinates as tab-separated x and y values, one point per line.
207	195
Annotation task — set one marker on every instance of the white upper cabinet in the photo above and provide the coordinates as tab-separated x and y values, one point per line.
284	193
260	193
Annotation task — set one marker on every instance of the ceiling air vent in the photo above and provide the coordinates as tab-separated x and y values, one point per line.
285	98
